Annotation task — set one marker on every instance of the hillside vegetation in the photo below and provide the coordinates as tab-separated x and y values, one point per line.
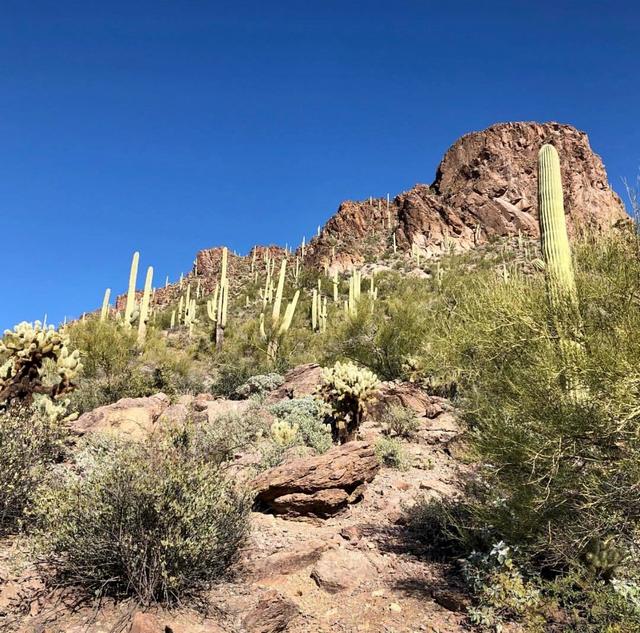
536	344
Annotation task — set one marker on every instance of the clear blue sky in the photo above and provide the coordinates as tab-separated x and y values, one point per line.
173	126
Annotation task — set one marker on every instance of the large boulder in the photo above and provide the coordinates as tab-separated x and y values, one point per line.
299	382
318	486
342	569
132	417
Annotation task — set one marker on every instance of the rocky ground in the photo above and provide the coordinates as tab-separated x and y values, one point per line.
355	569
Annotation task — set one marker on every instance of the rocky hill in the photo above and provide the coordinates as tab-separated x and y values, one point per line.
485	188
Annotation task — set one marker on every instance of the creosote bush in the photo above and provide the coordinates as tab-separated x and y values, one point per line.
155	520
29	443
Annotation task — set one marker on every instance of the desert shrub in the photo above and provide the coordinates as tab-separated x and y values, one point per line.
220	439
29	442
554	472
348	389
259	385
116	367
400	420
390	452
308	415
231	375
153	520
502	593
384	338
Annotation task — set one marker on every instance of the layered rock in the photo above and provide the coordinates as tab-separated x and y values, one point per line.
318	486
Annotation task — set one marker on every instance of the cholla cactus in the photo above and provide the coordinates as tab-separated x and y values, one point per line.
23	352
283	433
348	389
603	557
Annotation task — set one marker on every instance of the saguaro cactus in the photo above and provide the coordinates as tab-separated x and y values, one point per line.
564	315
130	306
144	308
104	312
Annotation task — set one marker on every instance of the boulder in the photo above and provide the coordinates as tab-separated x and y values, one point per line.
342	569
290	560
300	381
318	486
133	417
272	613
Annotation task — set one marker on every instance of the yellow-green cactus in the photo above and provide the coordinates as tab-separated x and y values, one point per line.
348	389
130	306
144	308
564	314
104	312
23	352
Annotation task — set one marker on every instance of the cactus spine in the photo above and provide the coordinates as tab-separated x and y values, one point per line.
130	305
144	308
104	312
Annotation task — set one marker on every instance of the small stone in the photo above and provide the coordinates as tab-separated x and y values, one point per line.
395	607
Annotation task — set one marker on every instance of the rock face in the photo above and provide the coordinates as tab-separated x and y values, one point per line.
318	486
485	187
272	613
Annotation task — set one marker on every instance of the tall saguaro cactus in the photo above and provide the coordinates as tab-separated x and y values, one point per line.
104	312
131	294
564	314
144	308
561	285
223	300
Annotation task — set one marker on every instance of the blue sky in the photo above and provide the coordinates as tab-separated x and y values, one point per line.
169	127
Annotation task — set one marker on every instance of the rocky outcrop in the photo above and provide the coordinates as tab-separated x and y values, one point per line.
485	187
133	417
299	382
318	486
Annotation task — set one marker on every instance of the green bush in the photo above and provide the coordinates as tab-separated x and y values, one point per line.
116	367
155	521
308	415
29	442
400	420
390	453
258	386
384	338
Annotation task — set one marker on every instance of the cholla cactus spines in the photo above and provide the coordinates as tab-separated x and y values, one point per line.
104	312
334	282
144	307
302	247
23	352
180	309
283	433
348	389
603	557
130	305
173	319
275	313
395	244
